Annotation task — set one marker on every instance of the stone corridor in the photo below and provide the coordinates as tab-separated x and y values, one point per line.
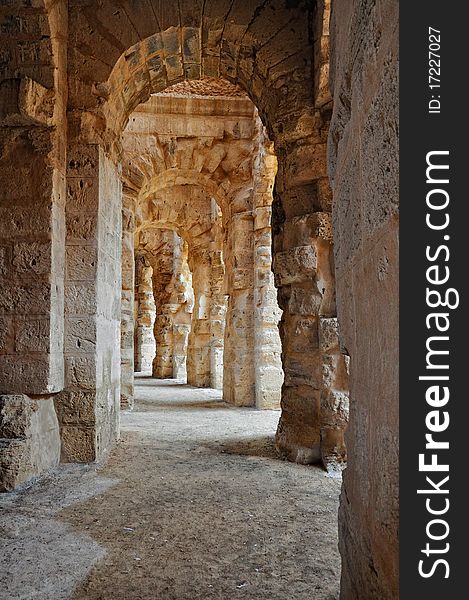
192	504
205	190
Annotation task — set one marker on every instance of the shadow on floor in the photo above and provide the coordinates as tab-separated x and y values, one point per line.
262	447
144	406
156	381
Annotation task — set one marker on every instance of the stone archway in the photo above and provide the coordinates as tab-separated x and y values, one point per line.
298	129
116	58
192	214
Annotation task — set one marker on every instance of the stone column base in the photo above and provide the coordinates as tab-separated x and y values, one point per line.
29	439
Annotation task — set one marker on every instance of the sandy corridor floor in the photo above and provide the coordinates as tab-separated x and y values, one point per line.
192	504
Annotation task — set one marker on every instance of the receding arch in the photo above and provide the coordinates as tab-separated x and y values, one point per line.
175	177
237	42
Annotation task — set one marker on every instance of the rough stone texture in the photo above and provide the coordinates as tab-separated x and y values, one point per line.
33	91
363	161
208	86
92	327
29	439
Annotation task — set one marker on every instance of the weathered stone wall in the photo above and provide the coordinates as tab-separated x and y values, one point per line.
87	407
32	134
33	96
363	164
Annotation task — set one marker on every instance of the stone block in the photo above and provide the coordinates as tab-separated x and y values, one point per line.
81	227
304	301
80	371
29	373
171	41
191	44
262	217
80	334
174	69
81	263
80	298
304	335
32	335
32	257
303	369
25	299
78	444
83	160
211	66
82	195
22	221
298	435
329	334
29	439
295	265
76	407
305	164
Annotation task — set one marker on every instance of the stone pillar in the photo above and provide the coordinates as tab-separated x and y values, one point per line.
145	347
199	346
183	298
32	241
267	344
162	266
239	367
304	275
171	289
33	139
181	333
217	319
88	408
314	395
127	300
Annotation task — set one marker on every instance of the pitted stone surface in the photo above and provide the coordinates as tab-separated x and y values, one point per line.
208	86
